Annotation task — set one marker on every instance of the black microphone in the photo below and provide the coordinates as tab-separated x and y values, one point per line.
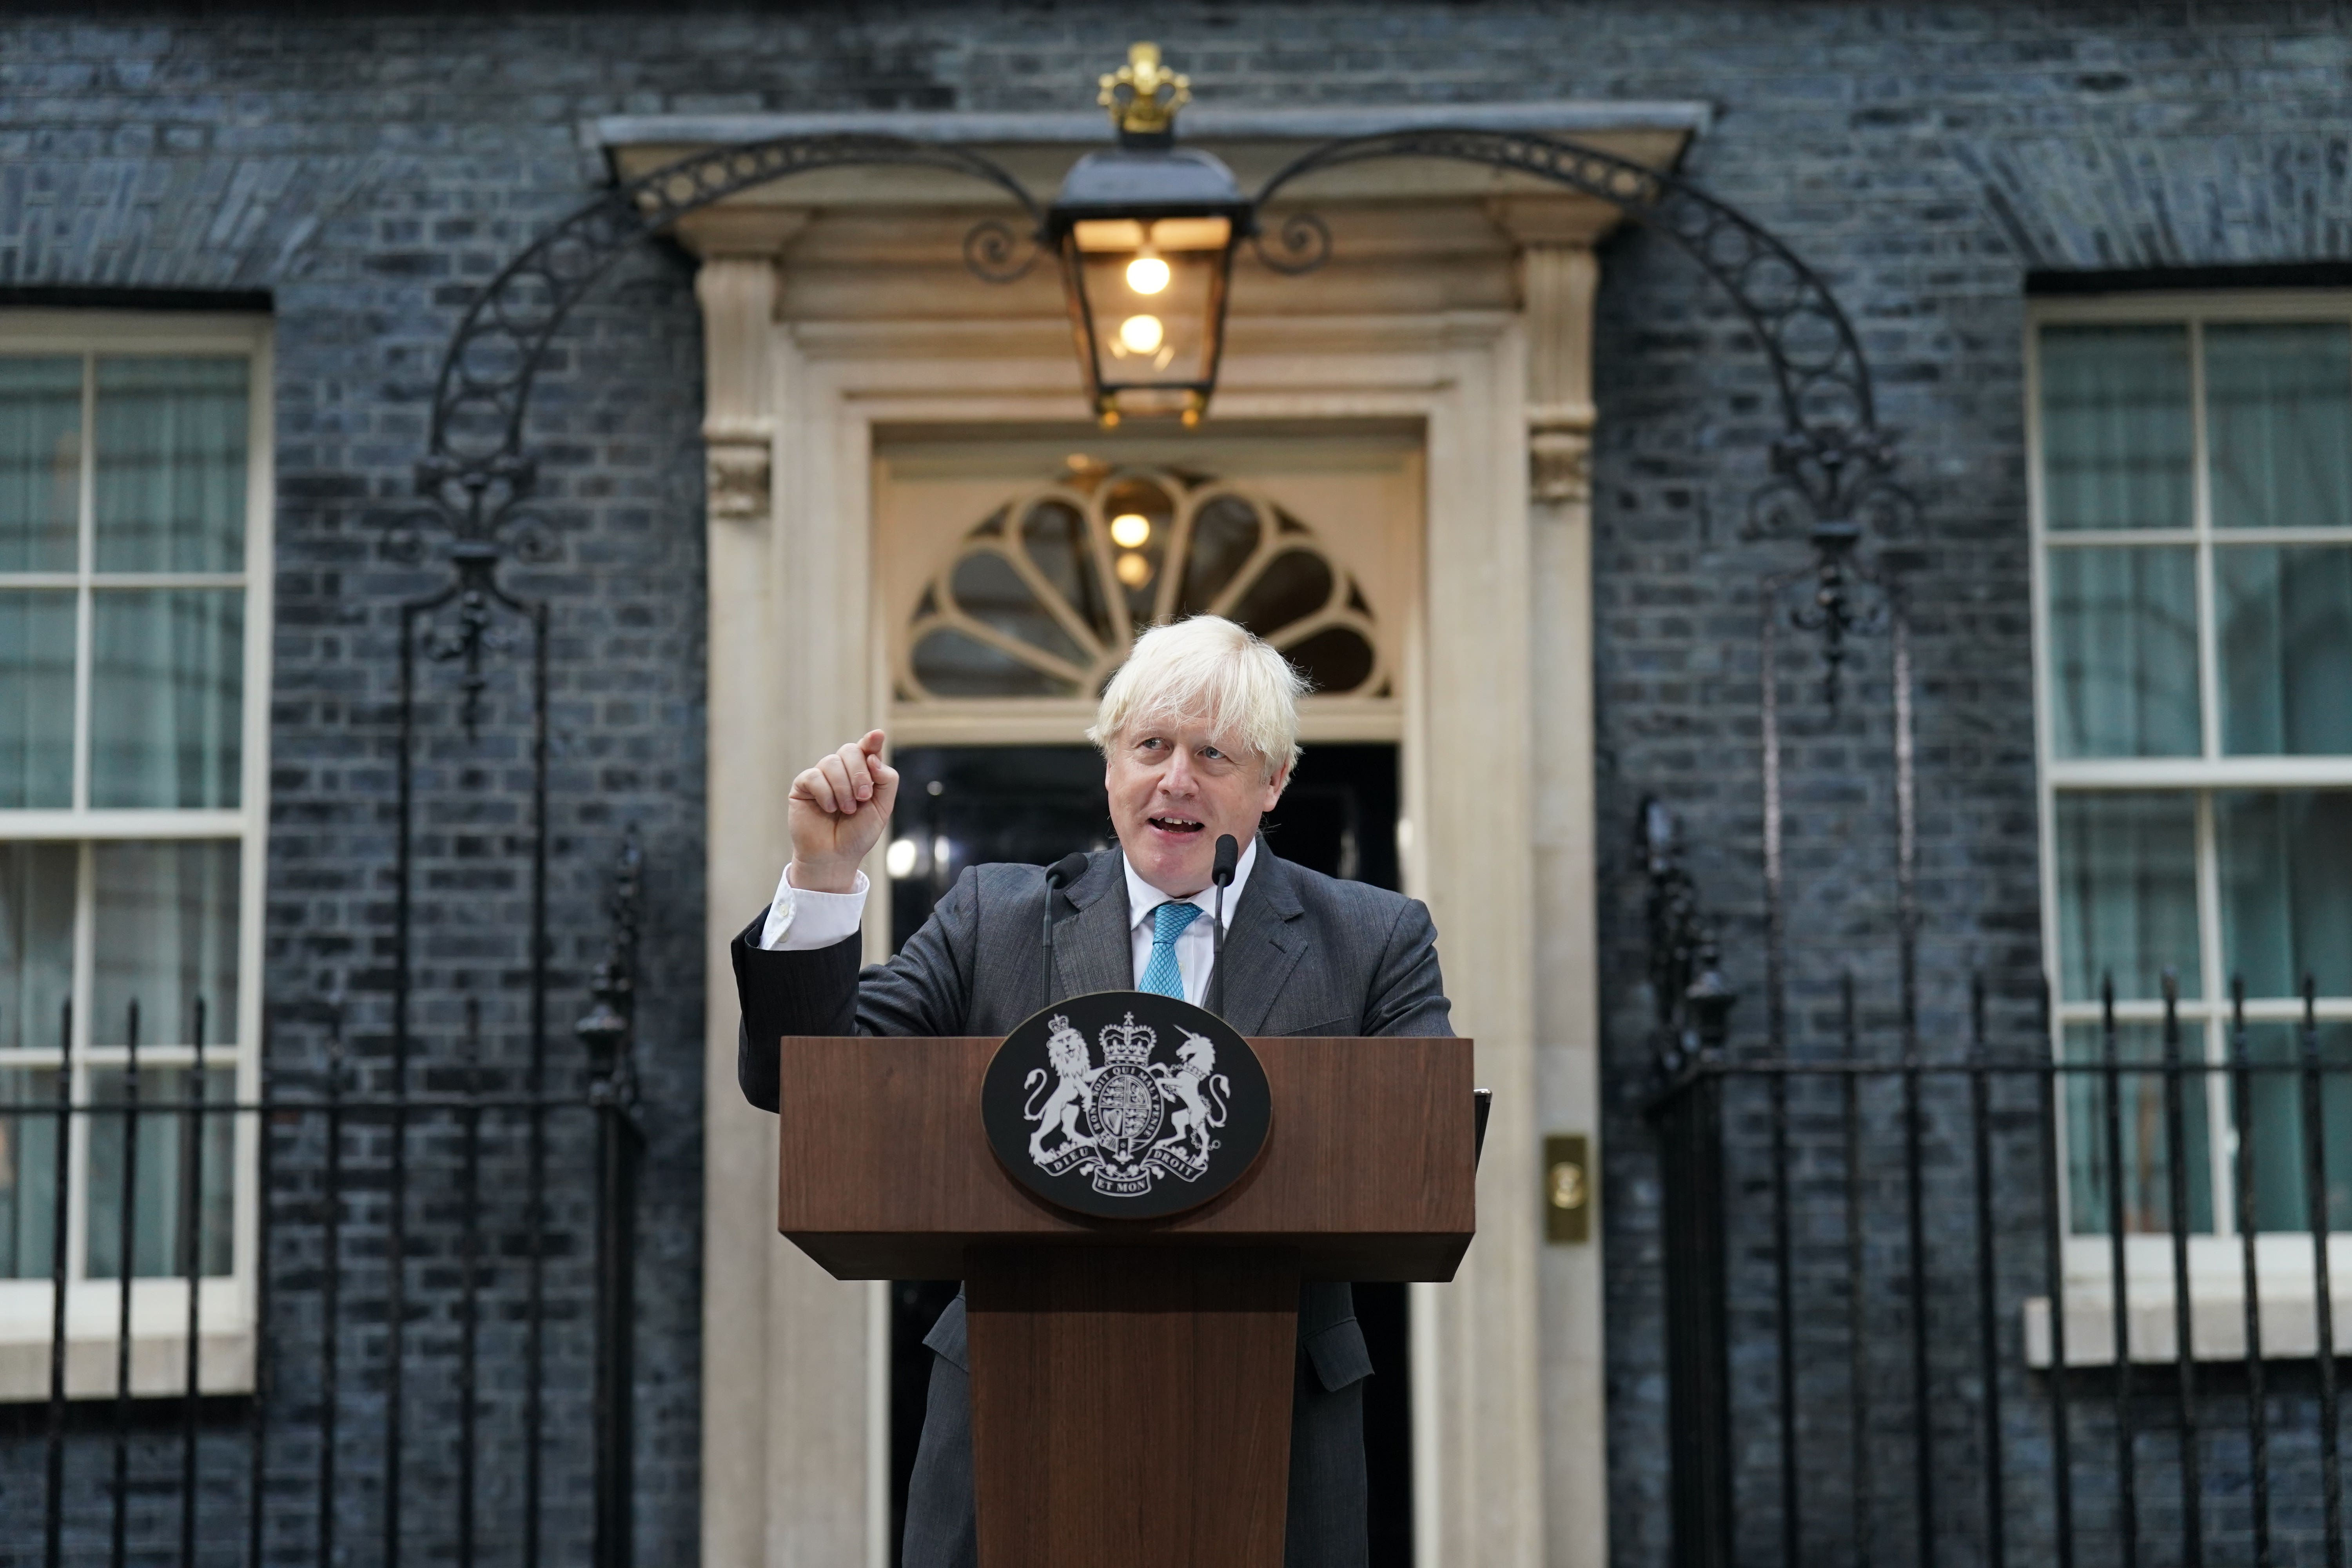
1069	867
1220	872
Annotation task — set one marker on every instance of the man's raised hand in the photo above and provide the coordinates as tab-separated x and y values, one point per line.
839	809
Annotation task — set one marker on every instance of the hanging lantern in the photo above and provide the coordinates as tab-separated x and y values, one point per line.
1146	233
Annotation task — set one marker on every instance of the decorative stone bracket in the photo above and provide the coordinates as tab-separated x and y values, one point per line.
1560	451
735	473
1559	275
739	301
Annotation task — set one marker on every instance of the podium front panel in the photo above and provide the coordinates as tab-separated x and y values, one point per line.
1368	1173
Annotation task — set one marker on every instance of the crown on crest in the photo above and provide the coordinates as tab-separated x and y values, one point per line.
1142	95
1129	1044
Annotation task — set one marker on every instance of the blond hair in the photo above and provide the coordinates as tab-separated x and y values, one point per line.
1207	670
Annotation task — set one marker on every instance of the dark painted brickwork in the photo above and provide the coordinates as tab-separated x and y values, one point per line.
371	170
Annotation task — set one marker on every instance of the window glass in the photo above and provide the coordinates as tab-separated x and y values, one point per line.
28	1175
951	663
2272	1114
2123	640
37	698
1226	534
993	592
171	464
2278	401
152	1173
2287	890
2285	647
2116	437
2128	892
1055	535
40	463
37	918
2142	1138
167	712
166	935
1294	585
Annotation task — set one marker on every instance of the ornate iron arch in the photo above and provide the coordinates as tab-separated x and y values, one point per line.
1831	465
477	476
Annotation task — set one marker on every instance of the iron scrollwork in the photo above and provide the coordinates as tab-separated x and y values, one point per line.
1691	1003
475	479
1833	466
1302	242
608	1029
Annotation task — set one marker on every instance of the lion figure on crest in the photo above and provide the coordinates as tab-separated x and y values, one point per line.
1074	1077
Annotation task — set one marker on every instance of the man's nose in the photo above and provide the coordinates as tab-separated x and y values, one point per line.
1177	778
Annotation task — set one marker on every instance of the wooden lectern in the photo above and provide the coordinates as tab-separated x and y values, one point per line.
1131	1380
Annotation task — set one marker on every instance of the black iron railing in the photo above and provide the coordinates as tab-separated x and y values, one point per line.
1870	1266
387	1366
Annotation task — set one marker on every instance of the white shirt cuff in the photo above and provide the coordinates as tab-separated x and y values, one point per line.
801	921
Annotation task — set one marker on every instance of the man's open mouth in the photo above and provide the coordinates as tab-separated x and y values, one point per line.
1175	824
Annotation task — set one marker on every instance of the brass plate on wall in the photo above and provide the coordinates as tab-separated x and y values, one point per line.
1568	1187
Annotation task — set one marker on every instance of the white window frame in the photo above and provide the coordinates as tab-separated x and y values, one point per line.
2284	1272
159	1305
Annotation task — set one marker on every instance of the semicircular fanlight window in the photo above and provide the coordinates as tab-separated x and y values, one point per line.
1044	597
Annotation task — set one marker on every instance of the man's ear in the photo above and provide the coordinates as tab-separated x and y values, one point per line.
1275	785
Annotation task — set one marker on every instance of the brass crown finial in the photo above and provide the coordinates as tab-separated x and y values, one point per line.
1152	93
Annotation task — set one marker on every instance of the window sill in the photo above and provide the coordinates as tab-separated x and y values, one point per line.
159	1367
2216	1323
158	1319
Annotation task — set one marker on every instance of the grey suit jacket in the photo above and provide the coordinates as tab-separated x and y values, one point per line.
1304	954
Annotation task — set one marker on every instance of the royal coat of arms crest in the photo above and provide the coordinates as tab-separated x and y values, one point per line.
1134	1109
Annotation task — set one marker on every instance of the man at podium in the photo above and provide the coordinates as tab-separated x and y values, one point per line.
1199	734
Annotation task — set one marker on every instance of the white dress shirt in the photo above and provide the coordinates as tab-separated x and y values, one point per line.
799	921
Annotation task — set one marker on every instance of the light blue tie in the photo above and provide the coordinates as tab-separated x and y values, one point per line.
1161	976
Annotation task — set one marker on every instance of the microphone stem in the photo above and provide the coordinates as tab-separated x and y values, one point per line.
1045	940
1215	991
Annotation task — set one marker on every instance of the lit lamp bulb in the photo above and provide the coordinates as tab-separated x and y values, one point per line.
1147	275
1141	335
1129	530
1133	570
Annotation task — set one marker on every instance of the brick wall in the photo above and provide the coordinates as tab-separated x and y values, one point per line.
370	170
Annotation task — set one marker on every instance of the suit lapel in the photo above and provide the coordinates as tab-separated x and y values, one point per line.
1262	946
1092	951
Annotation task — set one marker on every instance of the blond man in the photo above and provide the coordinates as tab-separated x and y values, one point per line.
1199	733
